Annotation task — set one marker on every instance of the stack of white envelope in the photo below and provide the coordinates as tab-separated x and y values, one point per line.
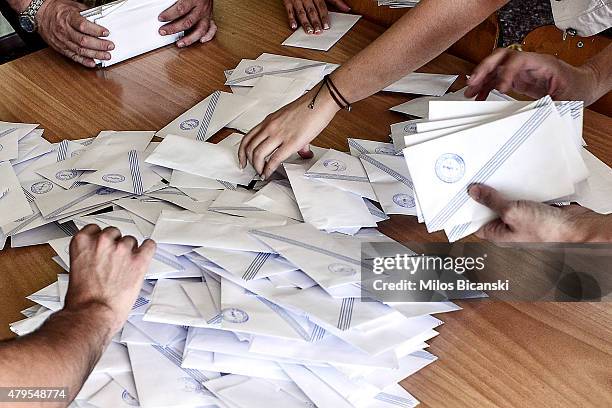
260	280
133	26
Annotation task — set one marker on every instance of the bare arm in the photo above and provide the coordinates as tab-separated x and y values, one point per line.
19	5
106	274
415	39
601	65
61	353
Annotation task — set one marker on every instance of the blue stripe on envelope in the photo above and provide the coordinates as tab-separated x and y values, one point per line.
135	172
399	177
208	115
346	314
336	177
256	265
493	164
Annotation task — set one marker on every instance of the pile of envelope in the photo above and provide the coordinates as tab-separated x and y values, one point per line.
253	295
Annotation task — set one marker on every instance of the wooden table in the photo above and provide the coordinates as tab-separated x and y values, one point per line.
491	353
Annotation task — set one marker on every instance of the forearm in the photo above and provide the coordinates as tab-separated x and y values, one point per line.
601	67
61	353
599	230
418	37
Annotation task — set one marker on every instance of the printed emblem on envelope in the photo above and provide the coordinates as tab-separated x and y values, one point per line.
129	399
76	153
410	128
404	200
105	191
233	315
192	385
41	187
341	269
66	174
254	69
113	178
385	150
450	168
335	165
189	124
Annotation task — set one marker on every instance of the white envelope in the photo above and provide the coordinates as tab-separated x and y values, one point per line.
63	172
233	202
207	117
14	204
171	305
250	391
247	265
271	93
200	295
126	172
248	72
31	146
113	394
10	134
146	207
316	389
184	181
109	143
130	19
277	197
178	198
225	363
423	84
66	202
187	155
328	261
363	146
342	171
519	155
161	382
596	190
391	182
340	24
420	106
327	207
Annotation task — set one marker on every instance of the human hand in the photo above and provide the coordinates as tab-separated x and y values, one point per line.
192	16
107	270
286	131
532	74
62	27
312	15
528	221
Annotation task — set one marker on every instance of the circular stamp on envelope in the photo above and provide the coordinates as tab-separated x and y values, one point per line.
234	315
385	150
41	187
65	175
342	269
404	200
105	191
335	165
76	153
450	168
113	178
191	385
129	399
254	69
189	124
410	128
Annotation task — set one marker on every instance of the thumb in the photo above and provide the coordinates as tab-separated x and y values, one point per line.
489	197
305	152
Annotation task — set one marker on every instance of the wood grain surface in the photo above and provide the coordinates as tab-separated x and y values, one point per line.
491	353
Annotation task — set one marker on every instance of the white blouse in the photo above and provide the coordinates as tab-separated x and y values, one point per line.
586	17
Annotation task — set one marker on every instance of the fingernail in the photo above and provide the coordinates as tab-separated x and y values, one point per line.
181	44
318	31
474	191
326	26
162	32
160	18
263	177
309	30
105	33
294	26
111	46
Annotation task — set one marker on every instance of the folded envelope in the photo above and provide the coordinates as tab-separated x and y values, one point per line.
362	146
202	159
271	93
519	155
248	72
233	202
127	20
10	134
14	204
277	197
391	182
110	143
182	181
327	207
340	24
247	265
420	106
342	171
31	146
177	197
328	261
596	191
126	172
423	84
208	117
